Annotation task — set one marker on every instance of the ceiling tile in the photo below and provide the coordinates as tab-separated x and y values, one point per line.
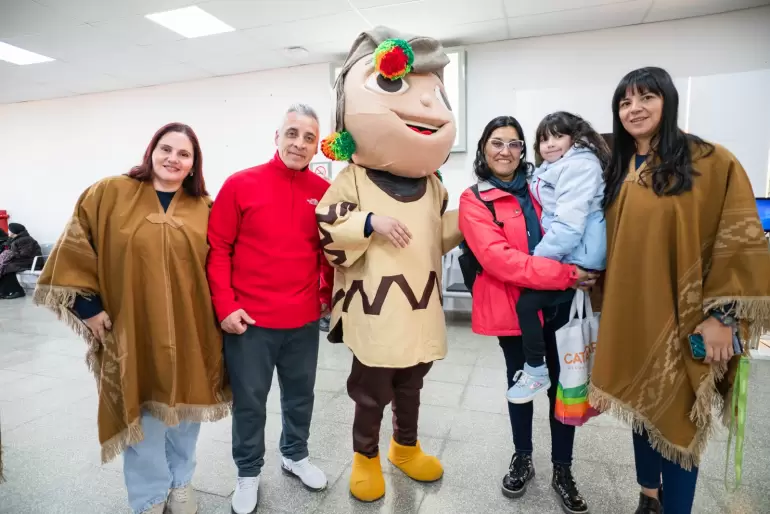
366	4
134	30
415	17
516	8
68	43
142	66
216	46
22	17
344	26
470	33
64	75
673	9
578	20
147	75
248	14
243	63
92	11
22	91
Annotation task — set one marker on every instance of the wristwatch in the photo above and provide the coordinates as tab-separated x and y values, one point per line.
725	318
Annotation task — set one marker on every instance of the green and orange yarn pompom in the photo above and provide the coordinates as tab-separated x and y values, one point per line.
393	59
339	146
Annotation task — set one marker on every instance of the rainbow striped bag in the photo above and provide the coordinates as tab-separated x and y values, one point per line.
576	343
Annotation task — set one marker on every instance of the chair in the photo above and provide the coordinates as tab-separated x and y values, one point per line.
28	279
452	280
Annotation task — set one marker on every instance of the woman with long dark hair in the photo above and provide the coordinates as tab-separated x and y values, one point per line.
686	257
501	224
128	276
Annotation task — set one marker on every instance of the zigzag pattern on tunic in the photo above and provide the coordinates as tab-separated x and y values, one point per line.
331	217
375	307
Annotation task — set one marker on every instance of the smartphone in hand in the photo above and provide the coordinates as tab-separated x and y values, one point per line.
698	347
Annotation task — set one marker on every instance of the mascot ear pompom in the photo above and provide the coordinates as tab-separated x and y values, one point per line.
393	59
339	146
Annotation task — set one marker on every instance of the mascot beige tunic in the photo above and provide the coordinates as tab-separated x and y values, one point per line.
384	226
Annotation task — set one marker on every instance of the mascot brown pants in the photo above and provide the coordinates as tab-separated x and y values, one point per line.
372	389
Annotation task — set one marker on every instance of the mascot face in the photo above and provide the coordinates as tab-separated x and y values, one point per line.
403	126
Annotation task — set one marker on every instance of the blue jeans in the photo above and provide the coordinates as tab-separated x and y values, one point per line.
678	483
163	460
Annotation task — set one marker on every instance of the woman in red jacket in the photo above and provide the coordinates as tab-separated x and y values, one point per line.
502	235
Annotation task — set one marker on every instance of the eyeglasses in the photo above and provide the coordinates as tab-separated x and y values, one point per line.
513	145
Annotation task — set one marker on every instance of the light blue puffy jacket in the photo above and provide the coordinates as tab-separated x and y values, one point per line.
571	191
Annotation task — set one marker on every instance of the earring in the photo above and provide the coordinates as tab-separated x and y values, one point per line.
191	173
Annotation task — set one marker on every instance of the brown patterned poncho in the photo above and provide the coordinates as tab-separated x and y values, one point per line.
671	260
164	353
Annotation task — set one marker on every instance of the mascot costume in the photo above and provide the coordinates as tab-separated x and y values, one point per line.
384	227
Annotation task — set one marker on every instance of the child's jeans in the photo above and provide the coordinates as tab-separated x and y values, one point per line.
530	303
163	460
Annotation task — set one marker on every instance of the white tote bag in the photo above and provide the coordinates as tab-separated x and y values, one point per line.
576	343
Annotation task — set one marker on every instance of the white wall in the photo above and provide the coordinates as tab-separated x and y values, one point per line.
50	151
532	77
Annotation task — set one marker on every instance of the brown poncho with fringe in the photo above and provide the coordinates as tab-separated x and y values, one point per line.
670	261
164	353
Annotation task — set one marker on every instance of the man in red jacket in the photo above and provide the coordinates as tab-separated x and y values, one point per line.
264	270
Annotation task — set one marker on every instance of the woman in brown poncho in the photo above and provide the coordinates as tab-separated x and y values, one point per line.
128	276
686	254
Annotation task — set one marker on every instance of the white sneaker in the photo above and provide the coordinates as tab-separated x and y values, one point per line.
182	501
312	477
528	383
245	495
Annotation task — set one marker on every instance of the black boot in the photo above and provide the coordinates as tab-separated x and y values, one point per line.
519	475
648	505
565	487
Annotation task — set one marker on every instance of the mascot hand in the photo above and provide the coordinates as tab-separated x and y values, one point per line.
393	229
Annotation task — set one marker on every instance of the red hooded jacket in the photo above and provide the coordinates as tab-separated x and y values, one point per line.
507	265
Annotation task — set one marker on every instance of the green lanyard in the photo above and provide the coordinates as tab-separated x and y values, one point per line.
738	422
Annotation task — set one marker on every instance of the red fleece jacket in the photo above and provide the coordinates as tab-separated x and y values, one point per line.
265	255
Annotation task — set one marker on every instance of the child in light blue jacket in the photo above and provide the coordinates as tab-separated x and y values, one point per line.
569	186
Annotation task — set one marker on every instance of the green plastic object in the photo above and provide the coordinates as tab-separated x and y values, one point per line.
737	426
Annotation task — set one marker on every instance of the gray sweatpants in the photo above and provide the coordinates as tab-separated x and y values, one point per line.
250	359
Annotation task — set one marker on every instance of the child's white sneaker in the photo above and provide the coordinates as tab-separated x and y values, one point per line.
528	383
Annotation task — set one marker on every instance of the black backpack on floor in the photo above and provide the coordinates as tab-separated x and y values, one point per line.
469	264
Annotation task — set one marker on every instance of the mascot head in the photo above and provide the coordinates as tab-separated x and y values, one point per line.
392	111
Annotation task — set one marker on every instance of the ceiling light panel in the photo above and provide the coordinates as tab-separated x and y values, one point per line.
16	55
190	22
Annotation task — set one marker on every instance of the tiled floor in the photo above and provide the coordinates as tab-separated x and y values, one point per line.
48	410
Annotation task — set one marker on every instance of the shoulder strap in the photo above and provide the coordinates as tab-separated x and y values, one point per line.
489	205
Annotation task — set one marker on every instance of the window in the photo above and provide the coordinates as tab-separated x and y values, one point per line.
454	83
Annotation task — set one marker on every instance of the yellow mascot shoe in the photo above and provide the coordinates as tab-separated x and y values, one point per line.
414	462
366	481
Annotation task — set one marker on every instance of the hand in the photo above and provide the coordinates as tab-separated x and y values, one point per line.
237	322
393	229
585	279
718	340
99	325
325	311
